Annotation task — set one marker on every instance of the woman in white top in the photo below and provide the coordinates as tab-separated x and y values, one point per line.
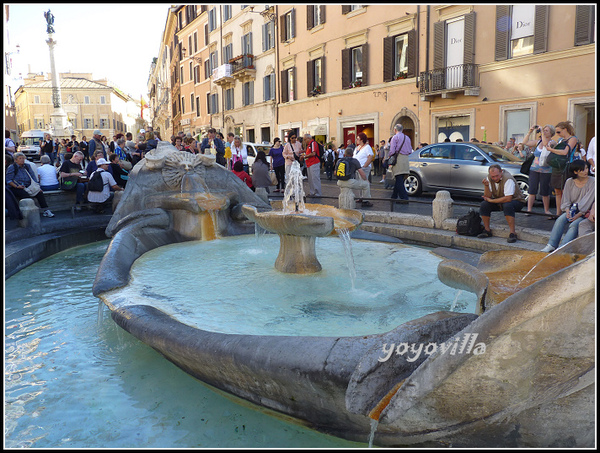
239	152
539	172
364	154
47	174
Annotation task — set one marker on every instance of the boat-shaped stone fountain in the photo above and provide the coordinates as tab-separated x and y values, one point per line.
519	373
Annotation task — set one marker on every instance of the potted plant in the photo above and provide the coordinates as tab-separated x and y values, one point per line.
401	75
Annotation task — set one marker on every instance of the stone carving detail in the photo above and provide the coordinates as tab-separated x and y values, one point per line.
177	164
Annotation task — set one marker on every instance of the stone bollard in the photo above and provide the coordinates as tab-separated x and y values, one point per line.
262	193
31	215
442	208
346	199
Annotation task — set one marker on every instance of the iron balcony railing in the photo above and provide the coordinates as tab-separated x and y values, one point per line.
449	78
245	61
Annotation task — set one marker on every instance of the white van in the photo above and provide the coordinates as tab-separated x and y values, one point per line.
29	143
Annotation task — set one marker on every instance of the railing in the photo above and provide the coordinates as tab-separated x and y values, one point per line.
221	72
449	78
245	61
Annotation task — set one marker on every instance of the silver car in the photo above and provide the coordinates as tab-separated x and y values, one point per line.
459	168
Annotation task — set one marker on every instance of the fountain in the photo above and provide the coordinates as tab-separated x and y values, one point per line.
299	224
519	374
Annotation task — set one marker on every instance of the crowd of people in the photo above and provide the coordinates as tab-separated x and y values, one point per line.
70	164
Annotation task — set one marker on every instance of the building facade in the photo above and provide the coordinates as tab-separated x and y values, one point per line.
89	105
443	71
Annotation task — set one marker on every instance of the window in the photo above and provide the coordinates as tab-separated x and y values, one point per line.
269	87
38	123
356	73
399	56
214	61
192	103
516	124
86	99
195	42
229	99
104	124
227	12
212	19
247	44
288	85
400	61
585	31
248	93
228	52
437	152
191	71
315	76
181	74
88	123
522	28
197	106
182	105
197	74
288	25
315	15
268	39
206	69
36	99
212	103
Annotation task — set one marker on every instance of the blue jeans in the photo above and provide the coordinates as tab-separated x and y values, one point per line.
80	192
562	227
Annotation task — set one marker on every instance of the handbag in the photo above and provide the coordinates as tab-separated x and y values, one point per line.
69	183
33	189
273	177
527	164
394	157
558	161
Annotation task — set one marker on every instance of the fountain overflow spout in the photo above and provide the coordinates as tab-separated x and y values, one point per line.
378	409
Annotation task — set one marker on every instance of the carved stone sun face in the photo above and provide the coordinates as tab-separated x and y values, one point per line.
178	164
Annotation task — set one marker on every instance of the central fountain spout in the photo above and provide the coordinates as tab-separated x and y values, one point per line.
298	225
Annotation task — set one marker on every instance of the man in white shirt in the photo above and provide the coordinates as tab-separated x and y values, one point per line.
99	199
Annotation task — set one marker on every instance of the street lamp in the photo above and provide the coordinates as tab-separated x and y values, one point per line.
267	12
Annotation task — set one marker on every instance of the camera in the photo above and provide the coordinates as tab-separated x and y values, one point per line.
537	129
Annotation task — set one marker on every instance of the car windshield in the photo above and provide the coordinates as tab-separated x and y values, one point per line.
31	141
498	154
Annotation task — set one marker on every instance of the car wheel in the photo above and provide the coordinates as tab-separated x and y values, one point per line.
524	186
413	185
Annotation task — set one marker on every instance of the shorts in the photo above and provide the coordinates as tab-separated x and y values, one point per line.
539	179
557	181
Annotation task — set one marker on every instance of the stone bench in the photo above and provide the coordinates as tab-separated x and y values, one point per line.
60	200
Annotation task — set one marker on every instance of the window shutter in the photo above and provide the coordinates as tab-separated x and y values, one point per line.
251	88
469	39
272	85
310	17
284	86
502	32
412	54
282	28
346	68
310	76
388	58
345	9
323	8
439	44
584	24
264	37
293	13
266	88
250	47
295	84
323	72
540	33
206	35
365	64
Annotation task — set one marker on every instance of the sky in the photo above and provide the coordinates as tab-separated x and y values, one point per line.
112	41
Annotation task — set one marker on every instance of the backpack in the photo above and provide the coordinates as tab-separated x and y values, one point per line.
321	152
330	157
470	224
343	170
96	183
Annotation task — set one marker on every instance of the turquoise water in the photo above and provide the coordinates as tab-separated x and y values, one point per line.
74	379
220	282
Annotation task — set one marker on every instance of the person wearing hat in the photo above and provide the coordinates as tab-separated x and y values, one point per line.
71	170
96	144
99	199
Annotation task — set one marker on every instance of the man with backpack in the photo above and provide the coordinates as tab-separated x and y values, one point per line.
329	162
313	165
345	171
101	181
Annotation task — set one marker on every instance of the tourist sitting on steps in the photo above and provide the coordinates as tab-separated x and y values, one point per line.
580	190
19	176
99	199
501	193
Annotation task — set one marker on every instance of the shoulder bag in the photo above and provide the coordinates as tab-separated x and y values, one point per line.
527	164
34	188
394	157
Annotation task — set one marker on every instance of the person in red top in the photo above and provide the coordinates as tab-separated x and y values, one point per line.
238	170
313	166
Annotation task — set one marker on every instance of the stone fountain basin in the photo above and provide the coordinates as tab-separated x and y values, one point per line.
317	220
192	202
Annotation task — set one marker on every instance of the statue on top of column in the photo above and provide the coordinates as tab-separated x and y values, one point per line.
50	21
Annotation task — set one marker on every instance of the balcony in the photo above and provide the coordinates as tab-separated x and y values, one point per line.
450	81
243	68
222	75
